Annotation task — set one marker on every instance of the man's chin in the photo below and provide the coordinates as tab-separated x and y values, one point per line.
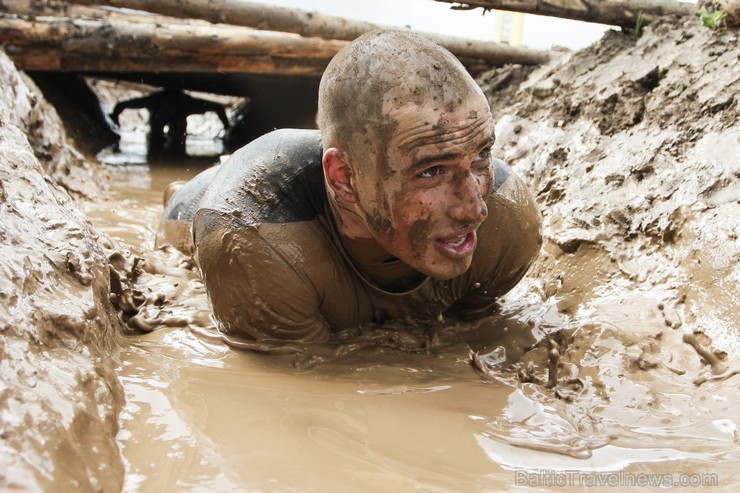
449	271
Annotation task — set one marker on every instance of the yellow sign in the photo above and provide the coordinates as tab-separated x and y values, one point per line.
508	27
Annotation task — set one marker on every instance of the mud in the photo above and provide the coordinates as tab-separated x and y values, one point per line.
616	359
59	397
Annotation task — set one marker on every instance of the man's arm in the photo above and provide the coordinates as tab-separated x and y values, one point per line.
135	103
196	105
254	291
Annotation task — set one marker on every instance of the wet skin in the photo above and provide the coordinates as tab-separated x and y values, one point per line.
426	198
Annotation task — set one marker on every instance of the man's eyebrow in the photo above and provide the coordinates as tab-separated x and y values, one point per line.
448	156
434	158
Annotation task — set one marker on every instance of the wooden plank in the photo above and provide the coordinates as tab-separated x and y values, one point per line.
622	13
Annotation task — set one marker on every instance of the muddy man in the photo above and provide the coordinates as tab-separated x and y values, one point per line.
395	210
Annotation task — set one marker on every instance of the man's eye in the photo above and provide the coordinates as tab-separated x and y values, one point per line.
432	172
484	155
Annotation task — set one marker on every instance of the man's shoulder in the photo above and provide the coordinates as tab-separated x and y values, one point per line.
509	186
276	178
501	173
508	242
513	225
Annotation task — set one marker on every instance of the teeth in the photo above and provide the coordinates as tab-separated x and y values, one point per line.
457	243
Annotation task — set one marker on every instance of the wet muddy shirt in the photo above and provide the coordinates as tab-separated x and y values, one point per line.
275	266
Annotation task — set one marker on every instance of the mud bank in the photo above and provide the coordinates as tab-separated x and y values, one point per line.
632	150
617	355
59	396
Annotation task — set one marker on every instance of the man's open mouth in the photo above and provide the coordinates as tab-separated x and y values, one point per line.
458	246
455	244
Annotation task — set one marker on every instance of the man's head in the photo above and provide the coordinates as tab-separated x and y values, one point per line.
407	136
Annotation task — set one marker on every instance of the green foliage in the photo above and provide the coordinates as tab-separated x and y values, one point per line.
713	19
638	26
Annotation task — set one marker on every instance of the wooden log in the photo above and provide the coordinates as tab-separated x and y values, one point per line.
33	7
119	46
98	35
314	24
44	60
623	13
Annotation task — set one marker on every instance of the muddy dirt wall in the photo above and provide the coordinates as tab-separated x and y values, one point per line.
59	397
631	147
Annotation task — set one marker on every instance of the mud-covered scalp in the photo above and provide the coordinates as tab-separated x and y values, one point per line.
377	67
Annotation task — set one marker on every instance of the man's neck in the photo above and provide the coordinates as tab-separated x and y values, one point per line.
347	220
375	263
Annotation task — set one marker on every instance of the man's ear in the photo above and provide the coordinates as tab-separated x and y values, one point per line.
338	174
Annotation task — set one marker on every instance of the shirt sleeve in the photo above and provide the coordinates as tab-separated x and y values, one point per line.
257	292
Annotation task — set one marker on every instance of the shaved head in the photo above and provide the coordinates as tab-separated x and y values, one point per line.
378	72
407	136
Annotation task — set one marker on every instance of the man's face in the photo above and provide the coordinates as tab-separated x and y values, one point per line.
426	196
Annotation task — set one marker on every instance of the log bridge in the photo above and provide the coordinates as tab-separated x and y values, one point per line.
273	55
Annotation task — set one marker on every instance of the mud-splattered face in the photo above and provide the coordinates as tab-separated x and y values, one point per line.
426	199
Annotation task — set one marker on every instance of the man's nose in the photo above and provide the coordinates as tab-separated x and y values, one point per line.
468	204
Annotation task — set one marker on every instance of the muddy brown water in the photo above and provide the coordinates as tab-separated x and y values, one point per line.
367	416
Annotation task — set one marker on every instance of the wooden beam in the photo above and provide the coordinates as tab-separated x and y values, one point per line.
623	13
119	46
44	59
314	24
